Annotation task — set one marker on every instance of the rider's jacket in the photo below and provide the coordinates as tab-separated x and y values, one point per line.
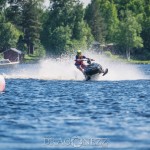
78	60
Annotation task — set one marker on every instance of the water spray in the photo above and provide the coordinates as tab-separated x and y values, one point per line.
64	69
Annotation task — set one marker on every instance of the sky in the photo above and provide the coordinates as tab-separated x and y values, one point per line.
86	2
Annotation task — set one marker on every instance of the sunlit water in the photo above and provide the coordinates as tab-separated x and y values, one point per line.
50	106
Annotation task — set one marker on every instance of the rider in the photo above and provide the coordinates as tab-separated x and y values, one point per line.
79	61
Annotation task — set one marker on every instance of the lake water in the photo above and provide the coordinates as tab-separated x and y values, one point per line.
46	107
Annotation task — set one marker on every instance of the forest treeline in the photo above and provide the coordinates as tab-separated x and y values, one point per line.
66	25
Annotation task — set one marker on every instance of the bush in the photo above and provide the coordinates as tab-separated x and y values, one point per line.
108	53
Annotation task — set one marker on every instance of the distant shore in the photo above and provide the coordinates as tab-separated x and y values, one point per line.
122	59
35	59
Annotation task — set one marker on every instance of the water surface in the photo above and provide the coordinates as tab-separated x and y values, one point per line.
39	114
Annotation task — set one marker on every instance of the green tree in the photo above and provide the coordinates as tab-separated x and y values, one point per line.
65	26
14	12
109	12
129	34
31	23
95	20
121	6
146	26
103	19
9	35
81	32
2	5
60	39
112	22
21	44
136	6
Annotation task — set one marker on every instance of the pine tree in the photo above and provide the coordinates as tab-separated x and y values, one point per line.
95	20
30	23
146	26
14	12
2	5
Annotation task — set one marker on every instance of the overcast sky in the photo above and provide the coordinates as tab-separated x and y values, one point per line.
86	2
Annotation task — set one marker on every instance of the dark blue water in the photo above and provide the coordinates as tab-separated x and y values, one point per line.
55	114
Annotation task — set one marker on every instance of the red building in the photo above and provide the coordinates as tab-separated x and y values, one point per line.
13	55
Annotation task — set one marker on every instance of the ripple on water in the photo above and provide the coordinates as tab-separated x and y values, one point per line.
116	110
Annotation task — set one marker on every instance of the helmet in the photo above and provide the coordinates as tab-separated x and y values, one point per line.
79	52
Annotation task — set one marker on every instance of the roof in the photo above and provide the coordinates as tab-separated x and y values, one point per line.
15	50
96	43
110	44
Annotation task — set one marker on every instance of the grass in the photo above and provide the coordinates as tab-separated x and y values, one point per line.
31	58
139	61
122	59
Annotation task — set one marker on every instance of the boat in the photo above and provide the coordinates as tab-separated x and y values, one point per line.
4	63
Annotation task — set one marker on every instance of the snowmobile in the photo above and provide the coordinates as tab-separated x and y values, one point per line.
93	70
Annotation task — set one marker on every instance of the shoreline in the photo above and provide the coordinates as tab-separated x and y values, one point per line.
34	59
122	59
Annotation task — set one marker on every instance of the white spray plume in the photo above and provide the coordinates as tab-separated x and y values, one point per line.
64	69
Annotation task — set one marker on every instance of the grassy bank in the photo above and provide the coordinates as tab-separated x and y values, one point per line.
31	59
139	61
122	59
